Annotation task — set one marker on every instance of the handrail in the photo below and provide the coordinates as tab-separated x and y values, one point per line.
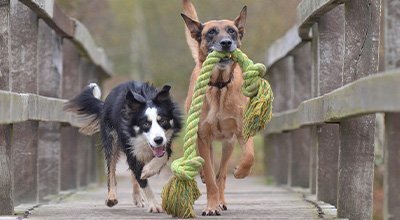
308	12
376	93
71	29
19	107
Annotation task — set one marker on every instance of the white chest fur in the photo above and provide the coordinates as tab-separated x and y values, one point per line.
141	149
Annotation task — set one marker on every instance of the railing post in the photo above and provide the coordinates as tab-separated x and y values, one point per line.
314	93
330	62
23	38
69	144
392	120
281	81
49	75
301	138
6	159
356	154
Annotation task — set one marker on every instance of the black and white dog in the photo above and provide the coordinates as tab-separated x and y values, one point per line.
137	119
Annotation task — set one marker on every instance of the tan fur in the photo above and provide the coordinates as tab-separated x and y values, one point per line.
221	117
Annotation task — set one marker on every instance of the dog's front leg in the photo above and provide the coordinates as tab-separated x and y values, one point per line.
209	176
154	166
247	159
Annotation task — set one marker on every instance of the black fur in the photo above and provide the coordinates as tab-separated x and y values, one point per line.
121	111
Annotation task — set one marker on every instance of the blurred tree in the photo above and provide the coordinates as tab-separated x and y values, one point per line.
145	38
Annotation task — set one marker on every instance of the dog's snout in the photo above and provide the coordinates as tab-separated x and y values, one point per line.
158	140
226	43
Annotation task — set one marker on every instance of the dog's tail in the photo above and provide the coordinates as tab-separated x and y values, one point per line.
190	10
88	107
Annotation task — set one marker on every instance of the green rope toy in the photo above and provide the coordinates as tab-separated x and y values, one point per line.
180	193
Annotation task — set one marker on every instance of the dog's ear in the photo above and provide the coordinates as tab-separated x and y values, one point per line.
134	100
240	21
163	94
194	27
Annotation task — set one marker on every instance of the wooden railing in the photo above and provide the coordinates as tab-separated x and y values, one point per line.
324	73
45	58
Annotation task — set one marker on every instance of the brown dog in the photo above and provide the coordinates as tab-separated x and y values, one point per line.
223	107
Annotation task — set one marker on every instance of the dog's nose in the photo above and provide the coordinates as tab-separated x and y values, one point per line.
158	140
226	43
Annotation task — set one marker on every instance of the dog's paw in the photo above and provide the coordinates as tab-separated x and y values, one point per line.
154	207
111	202
211	212
223	207
138	200
148	172
241	172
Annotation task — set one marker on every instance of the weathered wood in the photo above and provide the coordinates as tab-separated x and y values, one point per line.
331	50
301	138
69	135
314	93
71	28
309	11
347	101
4	47
24	32
49	74
356	154
283	46
69	161
84	40
282	76
6	171
392	120
52	15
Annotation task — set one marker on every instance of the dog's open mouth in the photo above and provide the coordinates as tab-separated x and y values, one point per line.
158	151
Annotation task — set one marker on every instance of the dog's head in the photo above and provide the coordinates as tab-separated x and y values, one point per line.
219	35
153	117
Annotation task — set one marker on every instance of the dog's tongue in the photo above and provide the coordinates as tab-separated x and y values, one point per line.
159	151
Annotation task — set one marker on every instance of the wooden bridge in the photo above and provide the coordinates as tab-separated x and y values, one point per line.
336	86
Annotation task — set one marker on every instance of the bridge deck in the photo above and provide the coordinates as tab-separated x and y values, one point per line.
248	199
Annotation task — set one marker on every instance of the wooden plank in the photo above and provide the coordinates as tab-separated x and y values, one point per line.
301	138
392	121
33	107
49	71
314	93
73	29
6	171
309	11
4	47
69	135
283	46
356	153
84	40
24	32
52	15
282	77
69	165
348	101
6	158
331	49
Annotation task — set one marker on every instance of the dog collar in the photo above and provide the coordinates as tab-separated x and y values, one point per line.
221	85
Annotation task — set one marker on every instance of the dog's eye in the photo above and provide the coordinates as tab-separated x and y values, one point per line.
147	125
212	32
230	30
163	122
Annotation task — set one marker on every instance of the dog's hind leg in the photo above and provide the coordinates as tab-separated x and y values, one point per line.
212	208
111	153
221	176
247	159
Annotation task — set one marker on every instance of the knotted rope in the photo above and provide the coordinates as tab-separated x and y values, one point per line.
180	193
